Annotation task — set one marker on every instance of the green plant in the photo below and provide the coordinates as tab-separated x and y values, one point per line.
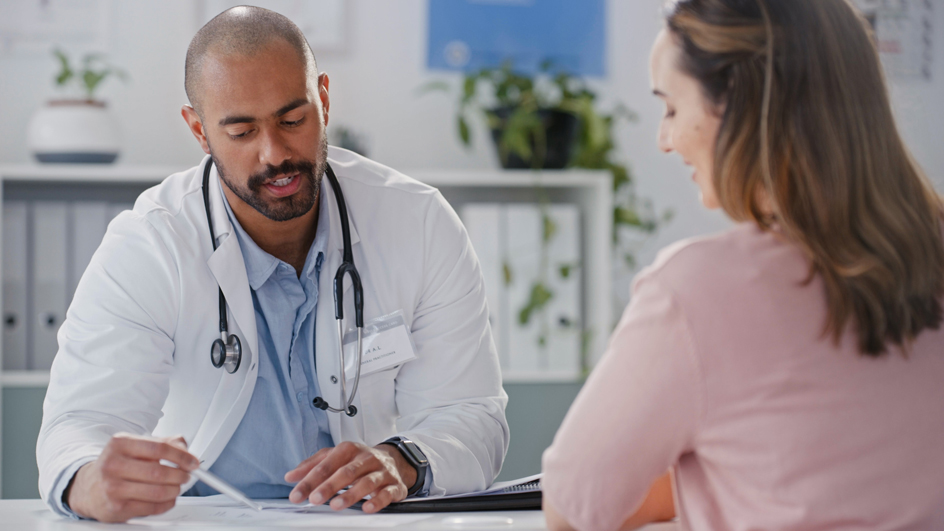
523	98
94	70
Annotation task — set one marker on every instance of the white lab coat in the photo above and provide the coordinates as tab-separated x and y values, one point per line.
134	350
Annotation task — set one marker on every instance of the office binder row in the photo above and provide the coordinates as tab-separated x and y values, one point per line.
507	238
46	247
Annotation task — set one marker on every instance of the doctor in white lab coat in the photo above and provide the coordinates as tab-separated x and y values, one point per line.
134	350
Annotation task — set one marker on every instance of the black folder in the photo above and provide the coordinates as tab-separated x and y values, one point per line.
521	497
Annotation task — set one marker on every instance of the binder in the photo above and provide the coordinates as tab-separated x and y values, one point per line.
89	220
562	351
519	495
14	285
483	222
523	238
48	289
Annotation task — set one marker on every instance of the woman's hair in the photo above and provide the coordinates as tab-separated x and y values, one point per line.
808	143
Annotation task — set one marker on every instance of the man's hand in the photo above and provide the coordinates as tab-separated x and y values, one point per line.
380	471
127	480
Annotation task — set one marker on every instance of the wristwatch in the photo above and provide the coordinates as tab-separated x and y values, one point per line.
413	455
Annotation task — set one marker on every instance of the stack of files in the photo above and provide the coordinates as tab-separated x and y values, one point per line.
47	245
518	495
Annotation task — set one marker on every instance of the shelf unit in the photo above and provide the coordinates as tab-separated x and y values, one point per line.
591	191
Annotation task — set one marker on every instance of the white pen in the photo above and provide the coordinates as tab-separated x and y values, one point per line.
224	488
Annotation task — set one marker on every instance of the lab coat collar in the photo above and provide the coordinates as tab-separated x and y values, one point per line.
336	240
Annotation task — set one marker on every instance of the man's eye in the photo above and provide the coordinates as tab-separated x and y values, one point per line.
234	136
669	113
294	123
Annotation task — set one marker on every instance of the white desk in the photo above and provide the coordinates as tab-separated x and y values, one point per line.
32	515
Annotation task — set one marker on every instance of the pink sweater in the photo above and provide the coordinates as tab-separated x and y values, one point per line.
719	368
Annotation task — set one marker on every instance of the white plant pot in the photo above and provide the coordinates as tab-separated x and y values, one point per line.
73	131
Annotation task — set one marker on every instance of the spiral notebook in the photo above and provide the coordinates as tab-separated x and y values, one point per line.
518	495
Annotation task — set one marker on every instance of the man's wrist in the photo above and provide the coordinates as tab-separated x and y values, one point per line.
413	456
408	473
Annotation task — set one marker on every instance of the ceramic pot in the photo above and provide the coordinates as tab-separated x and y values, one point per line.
73	131
560	132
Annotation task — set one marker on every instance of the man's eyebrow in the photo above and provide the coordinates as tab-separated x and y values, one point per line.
291	106
250	119
237	120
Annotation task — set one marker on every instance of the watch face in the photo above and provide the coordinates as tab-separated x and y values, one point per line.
414	451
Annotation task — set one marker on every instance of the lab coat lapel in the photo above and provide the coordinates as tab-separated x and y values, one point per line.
343	428
234	392
228	267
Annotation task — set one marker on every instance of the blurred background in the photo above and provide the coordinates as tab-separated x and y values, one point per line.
415	84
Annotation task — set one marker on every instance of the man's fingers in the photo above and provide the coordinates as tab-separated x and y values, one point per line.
367	484
305	466
344	476
144	471
128	491
153	450
384	497
333	459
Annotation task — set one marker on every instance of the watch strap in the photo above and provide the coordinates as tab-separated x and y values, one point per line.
419	462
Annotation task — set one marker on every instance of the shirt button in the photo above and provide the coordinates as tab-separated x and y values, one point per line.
300	396
334	379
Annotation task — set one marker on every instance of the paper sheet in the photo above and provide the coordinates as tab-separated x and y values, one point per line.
216	510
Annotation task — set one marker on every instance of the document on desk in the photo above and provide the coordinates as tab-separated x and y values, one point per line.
217	510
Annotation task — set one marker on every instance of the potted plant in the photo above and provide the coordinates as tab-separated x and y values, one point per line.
550	121
76	128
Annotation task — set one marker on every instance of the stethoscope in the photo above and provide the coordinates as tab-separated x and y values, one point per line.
227	351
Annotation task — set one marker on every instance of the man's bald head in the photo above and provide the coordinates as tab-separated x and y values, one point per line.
246	31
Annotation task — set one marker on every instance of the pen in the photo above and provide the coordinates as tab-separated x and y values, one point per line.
224	487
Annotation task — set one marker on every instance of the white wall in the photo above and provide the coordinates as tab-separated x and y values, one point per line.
373	88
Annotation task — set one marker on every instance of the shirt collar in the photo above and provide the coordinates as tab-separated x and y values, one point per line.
259	264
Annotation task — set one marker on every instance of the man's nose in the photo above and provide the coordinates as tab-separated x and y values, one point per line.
274	150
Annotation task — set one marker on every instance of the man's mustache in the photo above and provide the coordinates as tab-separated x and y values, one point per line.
256	180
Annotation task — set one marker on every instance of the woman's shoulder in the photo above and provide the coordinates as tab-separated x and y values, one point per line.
724	260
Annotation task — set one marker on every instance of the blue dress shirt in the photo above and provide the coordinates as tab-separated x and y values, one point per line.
281	427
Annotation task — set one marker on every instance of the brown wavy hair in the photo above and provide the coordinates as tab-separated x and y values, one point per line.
808	143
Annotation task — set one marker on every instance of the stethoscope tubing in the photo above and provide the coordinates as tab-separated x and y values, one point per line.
229	354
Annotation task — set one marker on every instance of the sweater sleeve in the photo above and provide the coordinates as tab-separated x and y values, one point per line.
635	416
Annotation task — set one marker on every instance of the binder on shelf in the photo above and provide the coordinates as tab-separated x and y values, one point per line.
50	272
564	309
484	225
15	320
523	230
89	220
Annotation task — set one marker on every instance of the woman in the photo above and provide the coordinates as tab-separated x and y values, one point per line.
789	372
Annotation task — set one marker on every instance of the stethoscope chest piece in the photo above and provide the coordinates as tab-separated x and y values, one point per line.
227	355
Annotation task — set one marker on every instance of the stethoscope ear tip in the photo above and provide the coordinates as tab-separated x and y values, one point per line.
351	411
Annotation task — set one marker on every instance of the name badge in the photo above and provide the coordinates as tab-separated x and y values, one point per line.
385	343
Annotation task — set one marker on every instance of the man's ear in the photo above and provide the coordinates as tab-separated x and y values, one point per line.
196	126
323	83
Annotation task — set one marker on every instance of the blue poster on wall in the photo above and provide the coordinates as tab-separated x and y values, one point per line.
466	35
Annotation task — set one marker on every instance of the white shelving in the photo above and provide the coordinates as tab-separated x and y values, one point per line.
590	190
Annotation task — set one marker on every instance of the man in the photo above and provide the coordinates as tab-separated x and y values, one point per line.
133	382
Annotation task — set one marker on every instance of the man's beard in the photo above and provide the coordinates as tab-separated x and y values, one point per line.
283	208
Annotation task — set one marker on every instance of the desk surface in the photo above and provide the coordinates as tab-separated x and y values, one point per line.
28	515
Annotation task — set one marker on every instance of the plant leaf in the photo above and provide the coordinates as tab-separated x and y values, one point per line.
65	71
464	133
